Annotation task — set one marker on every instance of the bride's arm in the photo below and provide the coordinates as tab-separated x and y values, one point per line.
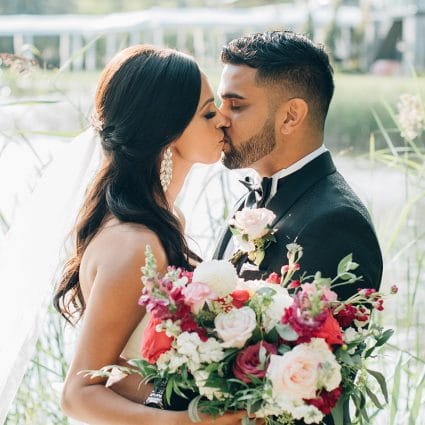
112	313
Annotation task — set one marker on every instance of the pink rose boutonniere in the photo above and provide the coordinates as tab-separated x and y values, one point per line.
252	233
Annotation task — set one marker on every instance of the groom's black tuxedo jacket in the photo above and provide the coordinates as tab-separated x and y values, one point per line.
316	208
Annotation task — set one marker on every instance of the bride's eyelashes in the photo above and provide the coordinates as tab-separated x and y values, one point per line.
210	115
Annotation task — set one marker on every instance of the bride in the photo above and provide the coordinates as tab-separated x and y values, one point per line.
156	117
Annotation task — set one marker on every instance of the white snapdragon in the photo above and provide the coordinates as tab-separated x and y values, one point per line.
115	376
201	377
170	361
194	351
411	116
210	351
171	329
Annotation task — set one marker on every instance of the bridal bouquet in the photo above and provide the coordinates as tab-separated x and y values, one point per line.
279	348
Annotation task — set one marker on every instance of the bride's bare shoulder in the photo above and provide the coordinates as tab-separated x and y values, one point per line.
118	248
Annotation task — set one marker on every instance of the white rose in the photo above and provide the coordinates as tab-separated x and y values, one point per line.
201	377
299	373
219	275
235	327
253	222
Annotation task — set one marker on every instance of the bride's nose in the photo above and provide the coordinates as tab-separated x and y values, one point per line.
222	120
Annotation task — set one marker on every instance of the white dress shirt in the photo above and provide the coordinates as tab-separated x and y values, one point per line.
294	167
230	248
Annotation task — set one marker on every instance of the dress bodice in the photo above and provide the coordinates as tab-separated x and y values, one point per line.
132	348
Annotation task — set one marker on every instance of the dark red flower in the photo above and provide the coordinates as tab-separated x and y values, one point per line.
346	316
326	400
299	316
247	361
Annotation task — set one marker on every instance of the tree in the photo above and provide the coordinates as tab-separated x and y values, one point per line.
37	7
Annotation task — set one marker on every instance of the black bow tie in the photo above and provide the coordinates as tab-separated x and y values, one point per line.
258	193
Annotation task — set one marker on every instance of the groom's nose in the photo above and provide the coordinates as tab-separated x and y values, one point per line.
223	120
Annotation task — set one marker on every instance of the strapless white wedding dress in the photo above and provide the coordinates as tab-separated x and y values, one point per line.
132	348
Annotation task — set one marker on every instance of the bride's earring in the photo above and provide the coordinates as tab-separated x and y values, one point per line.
166	170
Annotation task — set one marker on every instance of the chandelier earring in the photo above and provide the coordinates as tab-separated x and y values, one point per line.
166	169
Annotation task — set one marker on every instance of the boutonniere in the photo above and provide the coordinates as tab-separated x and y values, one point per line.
252	233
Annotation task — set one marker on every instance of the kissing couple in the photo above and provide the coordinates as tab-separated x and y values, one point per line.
156	116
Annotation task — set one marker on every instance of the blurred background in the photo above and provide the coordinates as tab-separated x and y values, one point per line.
52	53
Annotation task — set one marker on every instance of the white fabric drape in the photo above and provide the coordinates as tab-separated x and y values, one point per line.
33	253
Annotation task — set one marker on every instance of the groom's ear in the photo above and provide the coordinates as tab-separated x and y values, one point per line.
292	115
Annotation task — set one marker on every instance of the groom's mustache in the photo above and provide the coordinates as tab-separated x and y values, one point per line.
227	139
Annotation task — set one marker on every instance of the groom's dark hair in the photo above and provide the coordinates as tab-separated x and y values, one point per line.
290	61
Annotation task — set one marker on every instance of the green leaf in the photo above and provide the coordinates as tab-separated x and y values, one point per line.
381	381
338	412
169	390
283	348
384	337
193	409
373	397
259	257
286	332
344	264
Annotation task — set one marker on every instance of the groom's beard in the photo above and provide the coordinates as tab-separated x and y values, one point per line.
251	150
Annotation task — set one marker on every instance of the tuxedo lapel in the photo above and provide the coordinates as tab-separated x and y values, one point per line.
292	187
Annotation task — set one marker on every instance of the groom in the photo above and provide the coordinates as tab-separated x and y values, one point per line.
276	88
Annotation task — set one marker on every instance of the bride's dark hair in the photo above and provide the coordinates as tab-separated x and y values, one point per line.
145	99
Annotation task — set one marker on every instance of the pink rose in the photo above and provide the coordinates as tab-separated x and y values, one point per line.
253	222
196	295
248	361
300	373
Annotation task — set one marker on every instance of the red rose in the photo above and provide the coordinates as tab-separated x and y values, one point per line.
326	401
154	343
248	362
240	297
329	331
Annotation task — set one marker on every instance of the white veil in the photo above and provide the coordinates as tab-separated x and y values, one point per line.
33	253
